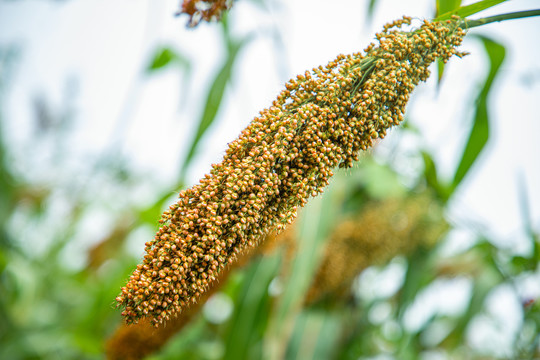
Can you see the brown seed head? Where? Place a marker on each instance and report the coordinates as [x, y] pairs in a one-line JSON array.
[[207, 10]]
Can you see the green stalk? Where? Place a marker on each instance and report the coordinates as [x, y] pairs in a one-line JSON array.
[[503, 17]]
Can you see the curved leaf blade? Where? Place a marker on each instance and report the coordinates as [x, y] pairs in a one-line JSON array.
[[469, 10], [480, 131], [446, 6], [164, 57], [212, 105]]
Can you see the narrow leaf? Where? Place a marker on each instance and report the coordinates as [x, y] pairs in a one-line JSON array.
[[446, 6], [419, 274], [248, 324], [484, 282], [371, 8], [440, 72], [432, 178], [313, 227], [528, 223], [480, 131], [315, 335], [165, 56], [213, 102], [469, 10], [328, 335]]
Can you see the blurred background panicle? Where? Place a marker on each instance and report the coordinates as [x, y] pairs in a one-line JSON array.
[[427, 248]]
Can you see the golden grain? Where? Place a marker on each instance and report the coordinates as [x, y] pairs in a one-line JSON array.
[[320, 121]]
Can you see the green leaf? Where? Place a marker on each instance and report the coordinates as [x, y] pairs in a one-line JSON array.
[[215, 94], [440, 72], [151, 214], [432, 178], [328, 335], [371, 8], [249, 321], [484, 282], [521, 264], [446, 6], [381, 182], [479, 134], [469, 10], [315, 335], [312, 229], [528, 223], [419, 274], [165, 56]]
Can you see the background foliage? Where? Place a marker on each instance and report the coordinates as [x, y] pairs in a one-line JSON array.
[[418, 300]]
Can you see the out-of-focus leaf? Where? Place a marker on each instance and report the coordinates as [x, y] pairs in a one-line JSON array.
[[419, 274], [313, 227], [151, 214], [486, 277], [314, 336], [186, 344], [244, 337], [164, 57], [432, 178], [522, 263], [371, 8], [469, 10], [534, 237], [479, 134], [215, 95], [355, 334], [408, 127], [297, 335], [409, 346], [440, 72], [328, 335], [381, 182], [9, 183]]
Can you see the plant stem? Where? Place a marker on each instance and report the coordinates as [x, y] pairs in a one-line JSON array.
[[509, 16]]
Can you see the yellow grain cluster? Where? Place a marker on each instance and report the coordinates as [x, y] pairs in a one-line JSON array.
[[287, 154]]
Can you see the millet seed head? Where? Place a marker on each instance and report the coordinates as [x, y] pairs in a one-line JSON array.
[[320, 121]]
